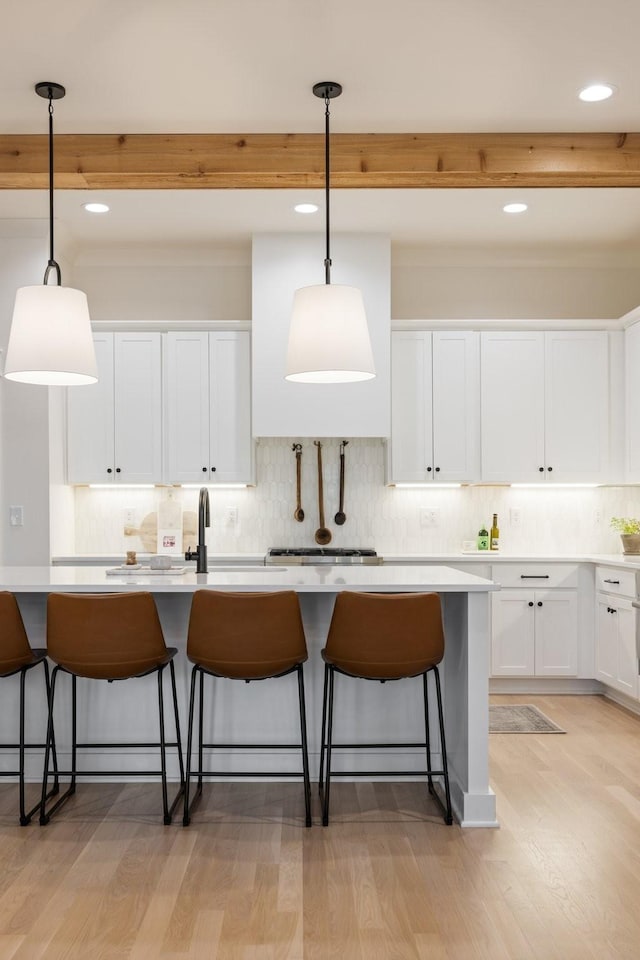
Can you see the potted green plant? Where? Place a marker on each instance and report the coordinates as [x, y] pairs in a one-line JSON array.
[[629, 530]]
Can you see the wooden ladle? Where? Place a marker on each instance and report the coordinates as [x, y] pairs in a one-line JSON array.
[[298, 513], [323, 536]]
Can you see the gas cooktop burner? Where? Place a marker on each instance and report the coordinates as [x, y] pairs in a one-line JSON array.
[[311, 555]]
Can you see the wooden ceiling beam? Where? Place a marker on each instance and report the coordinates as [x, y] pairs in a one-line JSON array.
[[294, 161]]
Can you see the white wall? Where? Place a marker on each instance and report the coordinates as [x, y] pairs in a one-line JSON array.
[[24, 426]]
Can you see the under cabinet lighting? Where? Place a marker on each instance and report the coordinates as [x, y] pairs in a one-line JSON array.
[[515, 207], [427, 486], [216, 486], [96, 207], [117, 486], [546, 486], [306, 208]]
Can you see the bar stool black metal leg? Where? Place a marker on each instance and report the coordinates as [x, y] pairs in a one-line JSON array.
[[426, 727], [305, 749], [200, 732], [24, 817], [324, 724], [443, 748], [327, 786], [54, 754], [45, 815], [163, 749], [176, 714], [186, 817], [74, 733]]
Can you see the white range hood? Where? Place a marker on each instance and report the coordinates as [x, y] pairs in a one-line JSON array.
[[281, 263]]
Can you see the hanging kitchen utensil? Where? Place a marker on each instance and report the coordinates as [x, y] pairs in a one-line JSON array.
[[298, 513], [341, 516], [323, 536]]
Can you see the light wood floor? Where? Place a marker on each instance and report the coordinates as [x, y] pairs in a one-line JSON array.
[[386, 881]]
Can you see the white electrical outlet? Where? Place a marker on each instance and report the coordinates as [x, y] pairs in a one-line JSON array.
[[231, 516], [597, 517], [16, 516], [430, 516], [515, 516]]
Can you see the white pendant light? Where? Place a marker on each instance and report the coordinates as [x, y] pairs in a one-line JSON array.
[[328, 336], [50, 342]]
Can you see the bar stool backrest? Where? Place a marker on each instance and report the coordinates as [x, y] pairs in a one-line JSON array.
[[106, 636], [15, 651], [385, 636], [246, 635]]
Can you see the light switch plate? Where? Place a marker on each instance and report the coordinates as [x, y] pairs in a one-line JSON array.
[[16, 516]]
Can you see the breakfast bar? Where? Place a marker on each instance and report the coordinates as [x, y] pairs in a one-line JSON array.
[[374, 711]]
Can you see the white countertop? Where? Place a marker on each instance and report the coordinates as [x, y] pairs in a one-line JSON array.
[[311, 579]]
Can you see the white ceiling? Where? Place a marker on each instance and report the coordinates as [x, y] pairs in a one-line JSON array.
[[244, 66]]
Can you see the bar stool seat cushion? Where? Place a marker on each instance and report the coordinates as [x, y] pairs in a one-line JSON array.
[[386, 636], [124, 640], [246, 636], [15, 650]]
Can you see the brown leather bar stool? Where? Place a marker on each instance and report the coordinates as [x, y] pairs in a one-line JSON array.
[[109, 636], [16, 656], [244, 636], [377, 636]]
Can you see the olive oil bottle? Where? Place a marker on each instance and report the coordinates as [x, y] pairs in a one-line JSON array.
[[494, 535]]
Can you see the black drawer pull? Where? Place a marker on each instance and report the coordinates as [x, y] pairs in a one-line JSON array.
[[534, 576], [613, 581]]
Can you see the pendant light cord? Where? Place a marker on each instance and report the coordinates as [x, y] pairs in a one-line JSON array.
[[327, 178], [51, 265]]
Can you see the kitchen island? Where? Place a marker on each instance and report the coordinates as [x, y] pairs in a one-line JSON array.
[[244, 711]]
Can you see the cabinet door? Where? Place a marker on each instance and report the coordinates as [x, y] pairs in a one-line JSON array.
[[627, 675], [138, 407], [512, 406], [411, 417], [187, 407], [577, 406], [231, 444], [513, 634], [556, 615], [456, 408], [90, 453], [606, 640]]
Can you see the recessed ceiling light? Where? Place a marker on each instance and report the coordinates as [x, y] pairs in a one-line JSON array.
[[96, 207], [596, 92], [515, 207], [306, 208]]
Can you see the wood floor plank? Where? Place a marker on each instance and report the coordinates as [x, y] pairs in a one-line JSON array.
[[387, 880]]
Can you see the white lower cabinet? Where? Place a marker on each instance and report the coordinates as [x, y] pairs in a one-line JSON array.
[[534, 632], [616, 652]]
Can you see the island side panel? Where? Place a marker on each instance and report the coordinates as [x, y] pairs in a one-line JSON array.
[[466, 675]]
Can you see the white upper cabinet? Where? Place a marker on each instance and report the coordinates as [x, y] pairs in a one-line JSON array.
[[115, 426], [208, 407], [434, 407], [545, 407]]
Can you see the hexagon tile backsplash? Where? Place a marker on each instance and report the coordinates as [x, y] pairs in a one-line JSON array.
[[389, 519]]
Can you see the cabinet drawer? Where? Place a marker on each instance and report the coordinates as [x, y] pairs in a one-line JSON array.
[[535, 575], [622, 583]]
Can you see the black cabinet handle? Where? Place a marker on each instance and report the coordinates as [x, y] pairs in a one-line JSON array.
[[428, 469], [539, 603], [530, 603], [437, 469], [541, 469], [612, 610], [109, 470], [613, 581], [549, 469], [204, 470], [534, 576], [213, 469], [118, 470]]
